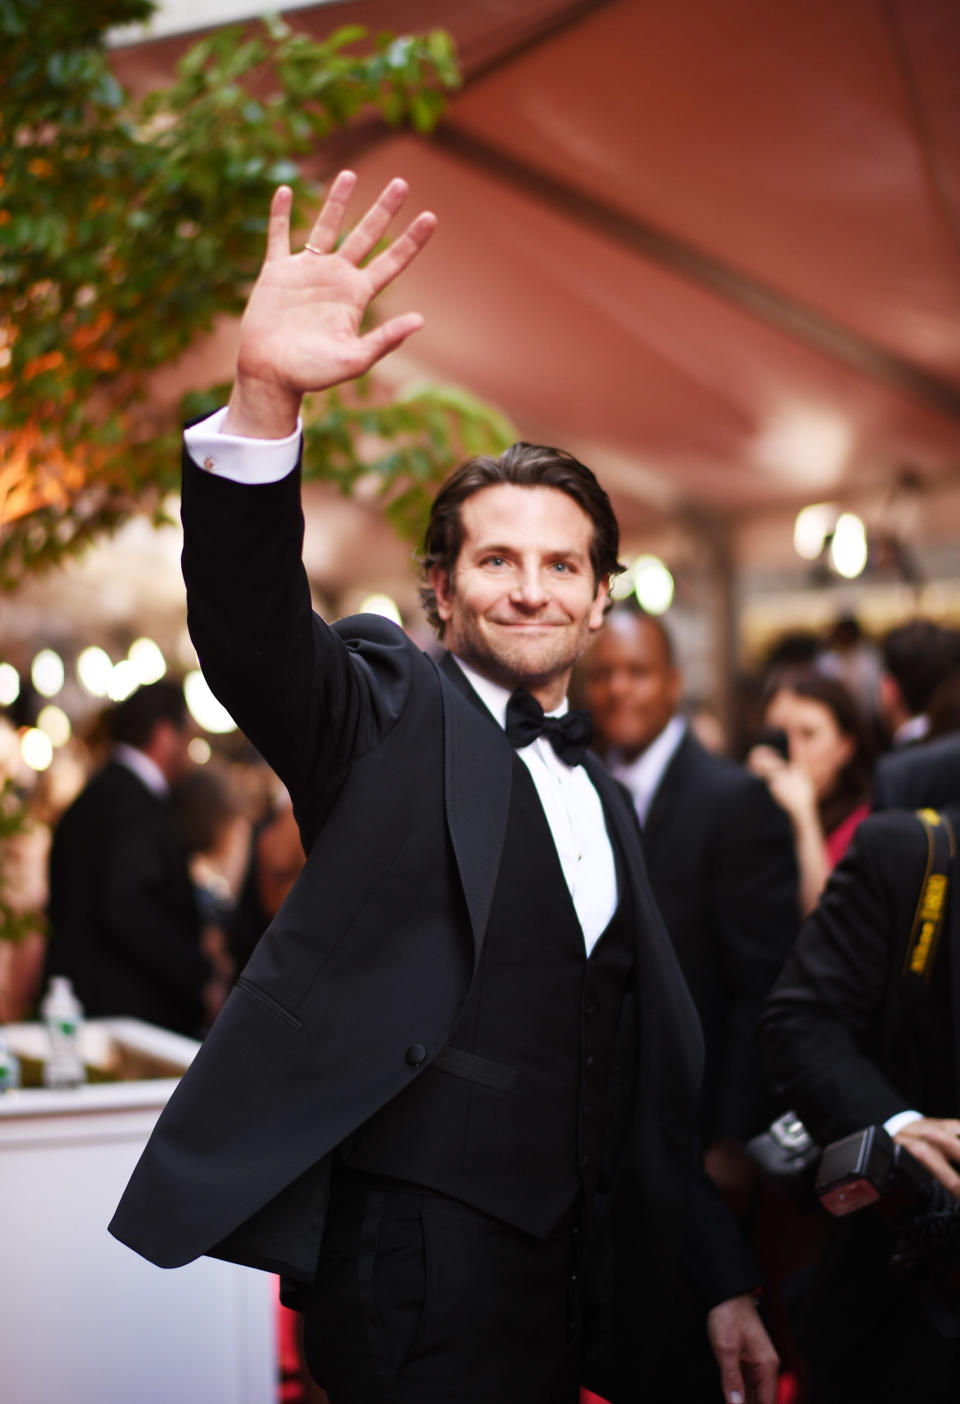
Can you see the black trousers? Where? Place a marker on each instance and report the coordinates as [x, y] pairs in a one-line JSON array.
[[420, 1299]]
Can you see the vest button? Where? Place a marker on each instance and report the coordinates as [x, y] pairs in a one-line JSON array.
[[590, 1010], [590, 1060], [416, 1054]]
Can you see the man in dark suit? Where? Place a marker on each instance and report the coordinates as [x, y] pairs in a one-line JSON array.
[[720, 857], [917, 657], [863, 1028], [463, 1048], [925, 774], [124, 925]]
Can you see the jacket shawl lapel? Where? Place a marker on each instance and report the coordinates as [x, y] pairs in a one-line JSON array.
[[478, 763]]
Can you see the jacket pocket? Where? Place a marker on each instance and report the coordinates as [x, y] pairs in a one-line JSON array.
[[483, 1071], [247, 987]]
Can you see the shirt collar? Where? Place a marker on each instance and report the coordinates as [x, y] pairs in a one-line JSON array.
[[643, 774], [914, 729], [143, 767], [493, 696]]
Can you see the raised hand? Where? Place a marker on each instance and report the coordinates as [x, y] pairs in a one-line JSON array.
[[301, 327]]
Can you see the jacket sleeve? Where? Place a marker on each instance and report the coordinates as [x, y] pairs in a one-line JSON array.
[[311, 698], [821, 1026], [716, 1260], [754, 902]]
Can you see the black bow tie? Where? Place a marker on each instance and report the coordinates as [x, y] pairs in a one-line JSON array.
[[569, 735]]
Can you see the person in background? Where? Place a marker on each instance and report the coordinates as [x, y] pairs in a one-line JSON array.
[[819, 771], [926, 774], [274, 859], [216, 834], [124, 924], [719, 854], [861, 1029], [854, 659], [917, 658], [720, 859]]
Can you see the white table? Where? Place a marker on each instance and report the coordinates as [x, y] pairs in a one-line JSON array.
[[82, 1318]]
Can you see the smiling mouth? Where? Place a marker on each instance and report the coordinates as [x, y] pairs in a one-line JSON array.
[[528, 624]]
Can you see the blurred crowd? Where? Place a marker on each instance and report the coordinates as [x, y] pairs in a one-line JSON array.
[[143, 876], [148, 879], [820, 721]]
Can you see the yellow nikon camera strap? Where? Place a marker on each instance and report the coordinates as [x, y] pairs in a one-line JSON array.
[[932, 906]]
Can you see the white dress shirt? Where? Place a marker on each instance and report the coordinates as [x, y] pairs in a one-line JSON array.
[[570, 803], [642, 776], [574, 813], [143, 768], [233, 456]]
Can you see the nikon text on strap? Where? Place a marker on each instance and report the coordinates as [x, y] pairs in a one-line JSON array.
[[932, 906]]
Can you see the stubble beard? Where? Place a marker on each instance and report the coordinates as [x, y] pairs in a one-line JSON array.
[[513, 663]]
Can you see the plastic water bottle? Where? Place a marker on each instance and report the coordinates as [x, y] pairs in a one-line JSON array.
[[63, 1016], [9, 1066]]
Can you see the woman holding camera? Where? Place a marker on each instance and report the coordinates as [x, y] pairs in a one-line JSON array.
[[816, 759]]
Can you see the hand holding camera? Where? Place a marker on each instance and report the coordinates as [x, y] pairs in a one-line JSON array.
[[935, 1142]]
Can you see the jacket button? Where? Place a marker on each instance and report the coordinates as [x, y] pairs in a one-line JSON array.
[[416, 1054]]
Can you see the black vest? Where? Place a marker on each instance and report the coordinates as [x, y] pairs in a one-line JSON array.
[[512, 1116]]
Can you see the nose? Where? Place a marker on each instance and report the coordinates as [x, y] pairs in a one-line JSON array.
[[528, 588]]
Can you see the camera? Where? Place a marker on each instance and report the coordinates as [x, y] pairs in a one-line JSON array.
[[870, 1168]]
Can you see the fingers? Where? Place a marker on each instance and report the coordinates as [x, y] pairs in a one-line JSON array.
[[327, 225], [762, 1379], [935, 1144], [384, 339], [386, 266], [278, 224], [362, 240], [765, 761], [732, 1382]]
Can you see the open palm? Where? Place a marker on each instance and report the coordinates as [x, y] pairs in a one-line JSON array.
[[301, 328]]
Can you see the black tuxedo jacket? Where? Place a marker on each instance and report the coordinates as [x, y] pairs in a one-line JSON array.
[[361, 978], [851, 1040], [721, 860], [914, 776], [124, 923]]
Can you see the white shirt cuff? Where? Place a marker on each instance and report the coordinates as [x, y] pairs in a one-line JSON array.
[[896, 1123], [240, 459]]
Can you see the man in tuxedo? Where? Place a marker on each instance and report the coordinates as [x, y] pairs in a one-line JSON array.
[[720, 857], [458, 1076], [863, 1028], [124, 925]]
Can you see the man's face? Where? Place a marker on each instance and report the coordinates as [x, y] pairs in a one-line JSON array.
[[169, 748], [632, 688], [522, 600]]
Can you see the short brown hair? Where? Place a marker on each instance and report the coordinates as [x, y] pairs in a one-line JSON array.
[[521, 465]]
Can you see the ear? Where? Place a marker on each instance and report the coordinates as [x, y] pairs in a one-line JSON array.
[[599, 603], [442, 589]]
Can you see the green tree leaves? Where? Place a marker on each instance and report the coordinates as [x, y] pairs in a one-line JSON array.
[[127, 227]]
